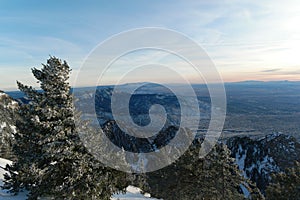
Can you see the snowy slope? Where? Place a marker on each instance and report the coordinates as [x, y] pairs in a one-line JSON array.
[[132, 193], [259, 158]]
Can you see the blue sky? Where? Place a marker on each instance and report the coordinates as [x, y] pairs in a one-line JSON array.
[[246, 40]]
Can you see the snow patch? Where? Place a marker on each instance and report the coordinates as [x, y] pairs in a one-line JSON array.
[[245, 191], [133, 193], [4, 194], [240, 159], [267, 164], [13, 128], [3, 163], [53, 163], [3, 125]]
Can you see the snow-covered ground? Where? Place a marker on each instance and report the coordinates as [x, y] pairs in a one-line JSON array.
[[3, 163], [133, 193], [3, 193]]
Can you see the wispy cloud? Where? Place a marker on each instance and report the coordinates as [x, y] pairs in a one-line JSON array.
[[245, 39], [270, 70]]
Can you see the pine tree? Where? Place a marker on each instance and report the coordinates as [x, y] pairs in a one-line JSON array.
[[285, 185], [214, 177], [8, 117], [52, 160]]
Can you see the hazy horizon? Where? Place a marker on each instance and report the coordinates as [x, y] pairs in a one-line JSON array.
[[106, 85]]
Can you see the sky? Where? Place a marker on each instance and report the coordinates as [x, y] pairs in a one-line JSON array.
[[245, 39]]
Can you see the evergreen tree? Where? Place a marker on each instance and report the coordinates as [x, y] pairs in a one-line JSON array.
[[51, 160], [285, 185], [8, 116], [214, 177]]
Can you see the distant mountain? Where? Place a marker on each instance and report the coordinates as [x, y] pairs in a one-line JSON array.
[[246, 82], [262, 107], [264, 82]]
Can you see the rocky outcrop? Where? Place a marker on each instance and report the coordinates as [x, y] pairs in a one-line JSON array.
[[259, 158]]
